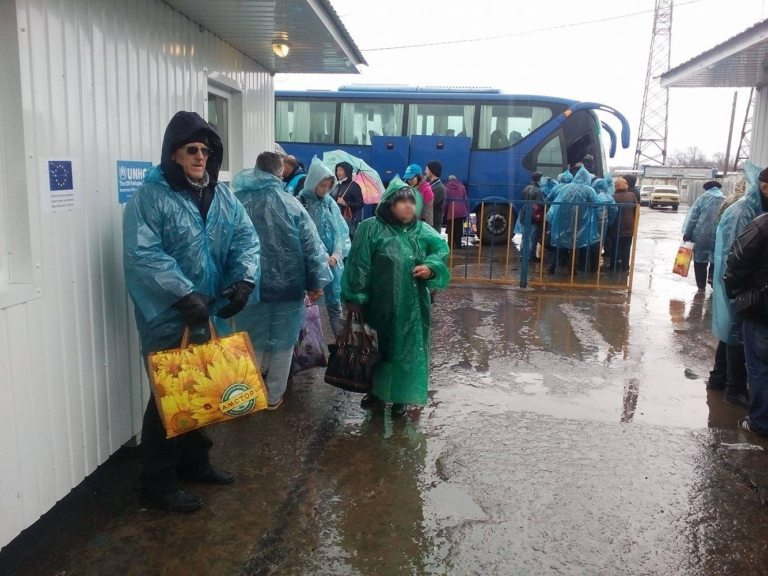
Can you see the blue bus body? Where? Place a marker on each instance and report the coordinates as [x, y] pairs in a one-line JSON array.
[[494, 165]]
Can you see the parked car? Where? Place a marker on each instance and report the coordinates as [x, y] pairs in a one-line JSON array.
[[645, 194], [664, 196]]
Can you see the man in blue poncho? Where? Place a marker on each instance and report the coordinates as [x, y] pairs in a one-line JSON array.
[[700, 227], [730, 372], [602, 219], [294, 262], [333, 231], [568, 218], [189, 250]]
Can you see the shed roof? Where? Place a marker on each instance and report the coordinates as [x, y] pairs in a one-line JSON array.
[[740, 61], [319, 41]]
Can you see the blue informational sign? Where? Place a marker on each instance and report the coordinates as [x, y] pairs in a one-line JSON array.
[[130, 176]]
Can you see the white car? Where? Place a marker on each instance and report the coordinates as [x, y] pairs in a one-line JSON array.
[[645, 195]]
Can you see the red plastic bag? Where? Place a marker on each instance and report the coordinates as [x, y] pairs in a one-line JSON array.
[[683, 259]]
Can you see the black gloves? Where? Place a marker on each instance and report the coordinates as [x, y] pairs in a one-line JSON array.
[[194, 308], [238, 294]]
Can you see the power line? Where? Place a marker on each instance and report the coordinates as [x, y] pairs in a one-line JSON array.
[[524, 33]]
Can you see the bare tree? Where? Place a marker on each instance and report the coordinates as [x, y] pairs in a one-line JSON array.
[[718, 160], [691, 156]]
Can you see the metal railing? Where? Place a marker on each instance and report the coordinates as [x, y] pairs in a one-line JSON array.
[[589, 248]]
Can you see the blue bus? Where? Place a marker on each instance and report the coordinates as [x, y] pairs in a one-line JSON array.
[[489, 140]]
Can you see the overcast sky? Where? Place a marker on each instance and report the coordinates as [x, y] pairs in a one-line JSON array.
[[603, 62]]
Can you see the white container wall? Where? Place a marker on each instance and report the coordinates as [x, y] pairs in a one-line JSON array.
[[758, 153], [99, 80]]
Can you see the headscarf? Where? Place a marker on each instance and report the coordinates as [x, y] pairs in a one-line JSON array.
[[620, 184], [347, 167]]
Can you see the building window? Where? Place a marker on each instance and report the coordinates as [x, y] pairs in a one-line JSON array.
[[503, 125], [360, 121], [306, 122], [441, 120], [218, 117]]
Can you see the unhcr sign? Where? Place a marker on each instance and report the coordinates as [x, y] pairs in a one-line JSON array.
[[130, 176]]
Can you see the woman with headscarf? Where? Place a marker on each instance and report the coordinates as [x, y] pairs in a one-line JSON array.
[[349, 196], [394, 263], [415, 179], [333, 232], [456, 210]]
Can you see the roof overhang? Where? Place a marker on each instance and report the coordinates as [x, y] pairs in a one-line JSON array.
[[319, 42], [741, 61]]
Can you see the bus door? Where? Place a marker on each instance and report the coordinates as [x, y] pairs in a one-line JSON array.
[[451, 151], [389, 156]]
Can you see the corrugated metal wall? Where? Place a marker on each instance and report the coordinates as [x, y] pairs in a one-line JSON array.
[[100, 79], [758, 153]]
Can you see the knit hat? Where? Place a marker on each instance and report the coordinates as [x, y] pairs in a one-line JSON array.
[[763, 177], [435, 167], [712, 184], [620, 184], [199, 136]]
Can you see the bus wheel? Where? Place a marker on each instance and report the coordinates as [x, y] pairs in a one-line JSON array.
[[496, 223]]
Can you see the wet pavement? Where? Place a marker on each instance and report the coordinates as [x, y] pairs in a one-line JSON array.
[[567, 433]]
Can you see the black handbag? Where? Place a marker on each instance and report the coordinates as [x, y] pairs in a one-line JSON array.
[[351, 363]]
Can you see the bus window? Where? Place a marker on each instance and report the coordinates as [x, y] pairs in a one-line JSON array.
[[549, 158], [504, 125], [306, 122], [360, 121], [441, 119], [582, 143]]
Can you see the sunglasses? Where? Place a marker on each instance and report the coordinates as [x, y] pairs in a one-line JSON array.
[[193, 150]]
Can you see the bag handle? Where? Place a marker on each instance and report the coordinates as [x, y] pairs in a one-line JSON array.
[[186, 335], [345, 334]]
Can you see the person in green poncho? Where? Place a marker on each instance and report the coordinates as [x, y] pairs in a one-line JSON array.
[[394, 263]]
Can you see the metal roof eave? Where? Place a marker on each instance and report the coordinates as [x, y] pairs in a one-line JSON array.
[[692, 72], [327, 13]]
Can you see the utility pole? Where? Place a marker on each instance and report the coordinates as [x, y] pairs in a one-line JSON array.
[[730, 135], [652, 134], [745, 143]]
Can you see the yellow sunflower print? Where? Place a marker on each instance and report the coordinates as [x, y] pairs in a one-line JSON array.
[[170, 362], [222, 375], [201, 357], [187, 380], [235, 347], [177, 413], [165, 383]]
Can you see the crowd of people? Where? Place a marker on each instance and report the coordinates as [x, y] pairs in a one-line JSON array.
[[585, 213], [282, 239]]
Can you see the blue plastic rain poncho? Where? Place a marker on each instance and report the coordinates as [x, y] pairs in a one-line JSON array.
[[293, 260], [604, 189], [700, 224], [170, 249], [562, 217], [379, 277], [726, 324], [331, 225], [548, 187], [169, 252]]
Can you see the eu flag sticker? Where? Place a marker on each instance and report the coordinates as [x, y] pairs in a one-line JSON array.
[[60, 175]]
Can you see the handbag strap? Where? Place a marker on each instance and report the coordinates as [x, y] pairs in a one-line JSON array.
[[345, 334], [186, 335]]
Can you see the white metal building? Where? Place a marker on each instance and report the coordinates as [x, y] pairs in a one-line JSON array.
[[741, 61], [86, 89]]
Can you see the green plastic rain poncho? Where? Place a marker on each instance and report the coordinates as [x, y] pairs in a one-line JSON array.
[[562, 218], [169, 252], [379, 277], [293, 260], [726, 324], [701, 224], [331, 226]]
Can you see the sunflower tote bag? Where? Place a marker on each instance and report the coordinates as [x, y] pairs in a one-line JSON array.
[[198, 385], [683, 259]]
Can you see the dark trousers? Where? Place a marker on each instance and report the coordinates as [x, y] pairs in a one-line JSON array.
[[621, 253], [756, 353], [455, 229], [534, 239], [730, 369], [704, 271], [163, 457]]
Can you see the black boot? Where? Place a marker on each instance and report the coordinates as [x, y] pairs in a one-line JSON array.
[[399, 410], [179, 501], [368, 401], [740, 398], [210, 475]]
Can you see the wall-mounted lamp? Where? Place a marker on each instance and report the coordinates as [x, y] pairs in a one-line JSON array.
[[281, 48]]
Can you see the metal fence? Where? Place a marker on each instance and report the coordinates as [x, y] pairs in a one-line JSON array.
[[590, 248]]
